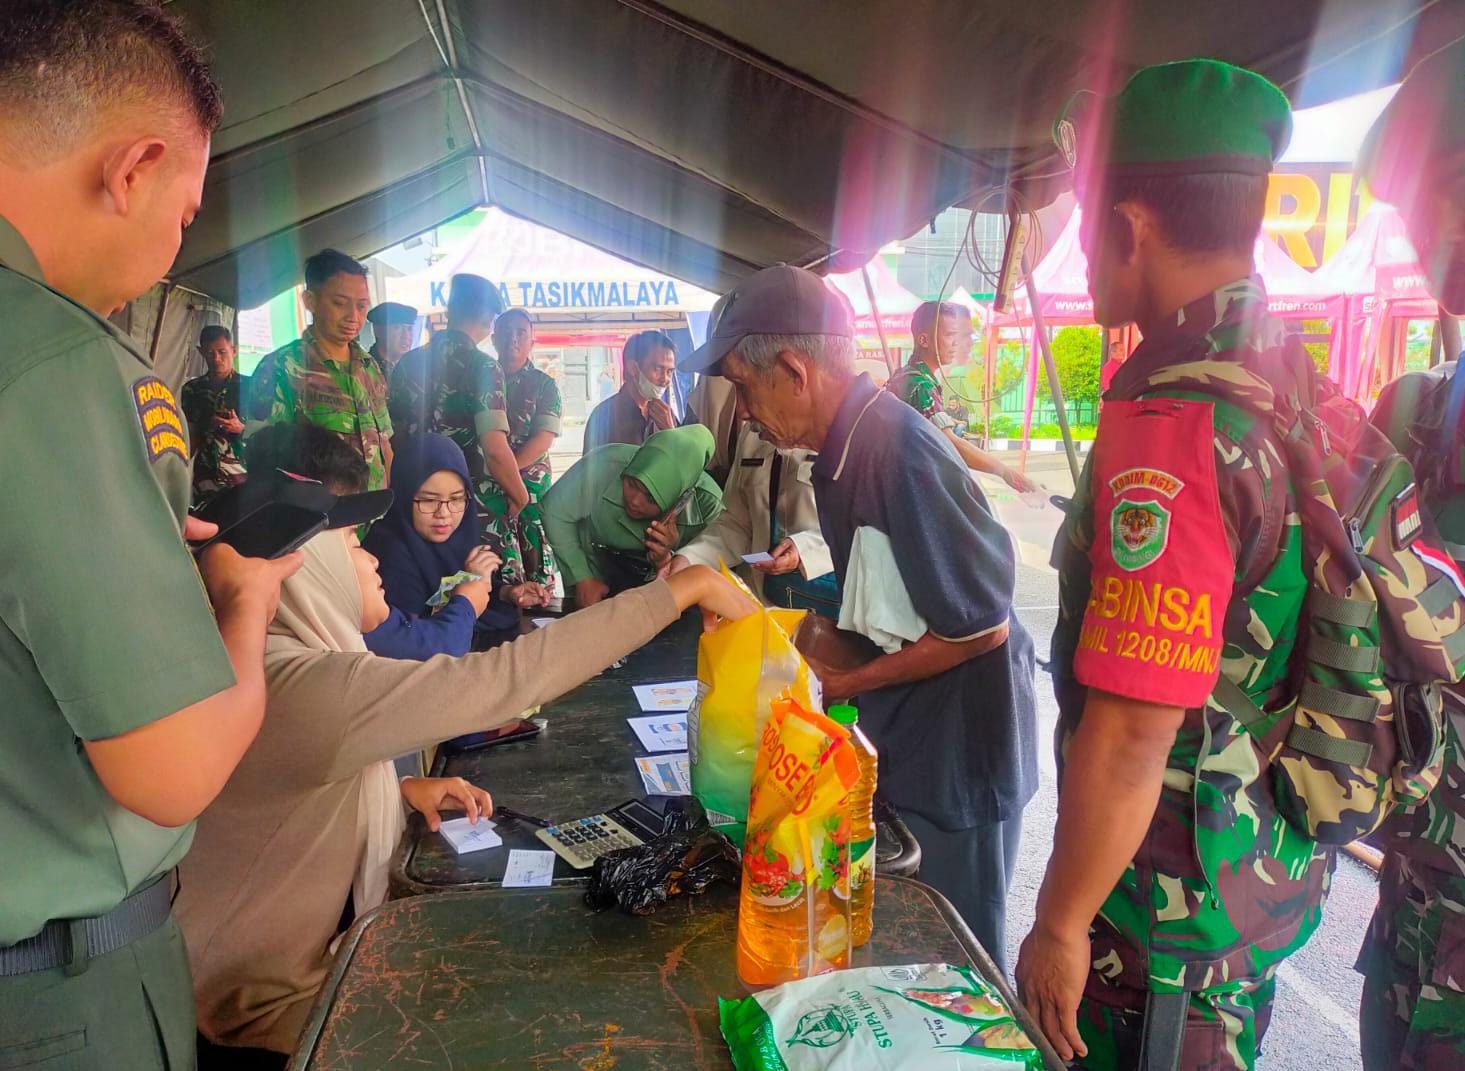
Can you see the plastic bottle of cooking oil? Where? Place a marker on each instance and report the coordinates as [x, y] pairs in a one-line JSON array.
[[860, 806]]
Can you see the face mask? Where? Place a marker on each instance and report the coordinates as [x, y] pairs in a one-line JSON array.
[[647, 389]]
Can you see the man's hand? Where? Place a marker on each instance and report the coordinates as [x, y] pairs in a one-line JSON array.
[[518, 499], [677, 564], [429, 795], [662, 539], [661, 414], [197, 531], [484, 561], [785, 559], [234, 581], [590, 591], [1018, 481], [1051, 971], [477, 592], [833, 682], [528, 595], [230, 423]]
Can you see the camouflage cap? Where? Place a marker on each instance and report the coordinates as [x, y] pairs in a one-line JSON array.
[[1419, 139], [1194, 117]]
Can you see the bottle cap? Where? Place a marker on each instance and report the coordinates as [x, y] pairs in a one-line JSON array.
[[844, 713]]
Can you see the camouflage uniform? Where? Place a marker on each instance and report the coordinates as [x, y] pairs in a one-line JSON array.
[[349, 399], [1222, 888], [533, 406], [920, 388], [451, 387], [217, 460]]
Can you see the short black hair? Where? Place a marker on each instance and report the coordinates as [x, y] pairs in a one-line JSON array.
[[926, 314], [310, 451], [64, 62], [328, 263], [1211, 213], [212, 333], [643, 344], [523, 314]]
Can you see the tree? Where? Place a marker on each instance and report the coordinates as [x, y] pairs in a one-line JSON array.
[[1077, 352]]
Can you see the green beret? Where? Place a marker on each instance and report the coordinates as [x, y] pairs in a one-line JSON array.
[[389, 313], [1194, 117], [1419, 139]]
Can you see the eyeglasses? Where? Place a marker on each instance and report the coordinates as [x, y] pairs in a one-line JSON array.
[[429, 506]]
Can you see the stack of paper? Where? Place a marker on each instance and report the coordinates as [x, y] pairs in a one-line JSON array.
[[466, 837]]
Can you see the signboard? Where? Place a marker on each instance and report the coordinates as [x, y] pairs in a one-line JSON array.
[[1313, 208], [571, 294]]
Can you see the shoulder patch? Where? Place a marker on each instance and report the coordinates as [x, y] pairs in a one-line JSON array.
[[1405, 518], [157, 412]]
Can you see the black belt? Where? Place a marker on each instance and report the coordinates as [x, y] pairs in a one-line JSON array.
[[70, 943]]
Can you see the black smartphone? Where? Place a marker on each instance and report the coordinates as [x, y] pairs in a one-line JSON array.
[[676, 507], [273, 531], [509, 734]]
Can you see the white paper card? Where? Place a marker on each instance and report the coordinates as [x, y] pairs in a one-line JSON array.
[[541, 622], [528, 869], [759, 558], [668, 695], [665, 733], [465, 837], [665, 775]]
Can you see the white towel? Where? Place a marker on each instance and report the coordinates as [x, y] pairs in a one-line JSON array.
[[875, 603]]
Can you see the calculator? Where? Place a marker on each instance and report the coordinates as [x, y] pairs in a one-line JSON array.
[[585, 840], [582, 841]]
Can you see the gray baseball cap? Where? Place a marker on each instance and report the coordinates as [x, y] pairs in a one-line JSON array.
[[782, 300]]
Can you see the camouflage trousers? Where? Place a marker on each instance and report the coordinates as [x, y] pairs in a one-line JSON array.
[[525, 548], [1412, 1016]]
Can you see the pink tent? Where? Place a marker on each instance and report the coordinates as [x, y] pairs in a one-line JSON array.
[[1379, 273], [895, 302]]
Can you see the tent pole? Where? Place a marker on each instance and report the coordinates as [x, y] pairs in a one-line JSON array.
[[1040, 335], [875, 308], [989, 357]]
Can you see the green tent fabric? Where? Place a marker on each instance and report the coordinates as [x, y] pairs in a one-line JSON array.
[[700, 138]]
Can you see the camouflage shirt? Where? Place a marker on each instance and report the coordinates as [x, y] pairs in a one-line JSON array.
[[452, 388], [217, 458], [533, 406], [918, 386], [349, 399], [1222, 887]]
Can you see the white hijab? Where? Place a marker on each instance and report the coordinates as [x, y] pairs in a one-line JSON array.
[[320, 610]]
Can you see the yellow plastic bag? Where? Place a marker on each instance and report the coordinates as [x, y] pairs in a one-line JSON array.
[[794, 900], [742, 666]]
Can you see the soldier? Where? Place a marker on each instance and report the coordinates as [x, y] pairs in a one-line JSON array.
[[453, 388], [324, 377], [942, 331], [127, 702], [211, 405], [394, 325], [533, 407], [1412, 1016], [1175, 888]]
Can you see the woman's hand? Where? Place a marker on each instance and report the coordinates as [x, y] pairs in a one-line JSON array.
[[662, 538], [785, 559], [429, 795], [477, 592], [697, 585], [590, 591], [484, 561]]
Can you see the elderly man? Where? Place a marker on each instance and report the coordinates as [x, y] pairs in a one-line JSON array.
[[950, 704], [395, 328], [1412, 1015]]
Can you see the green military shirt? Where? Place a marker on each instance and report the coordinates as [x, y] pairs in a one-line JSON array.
[[917, 386], [451, 387], [1223, 887], [349, 399], [104, 625]]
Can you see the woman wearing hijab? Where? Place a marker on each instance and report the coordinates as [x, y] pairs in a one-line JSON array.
[[313, 813], [621, 511], [426, 537]]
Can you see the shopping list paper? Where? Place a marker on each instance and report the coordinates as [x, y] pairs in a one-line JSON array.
[[665, 733], [528, 869], [665, 775], [466, 837], [668, 695], [759, 558]]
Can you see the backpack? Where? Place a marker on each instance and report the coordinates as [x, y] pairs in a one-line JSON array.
[[1359, 729]]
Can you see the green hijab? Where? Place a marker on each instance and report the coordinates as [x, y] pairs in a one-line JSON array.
[[667, 464]]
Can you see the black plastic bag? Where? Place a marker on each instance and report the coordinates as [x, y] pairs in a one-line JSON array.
[[688, 857]]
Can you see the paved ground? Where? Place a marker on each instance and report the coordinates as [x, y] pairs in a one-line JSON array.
[[1315, 1025]]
